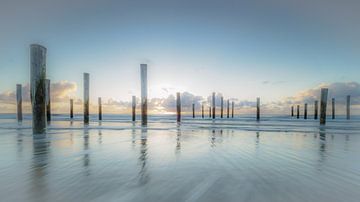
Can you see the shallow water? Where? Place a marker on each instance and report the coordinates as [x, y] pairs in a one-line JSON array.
[[276, 159]]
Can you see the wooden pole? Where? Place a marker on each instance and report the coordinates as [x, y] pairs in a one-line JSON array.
[[316, 108], [202, 111], [228, 109], [213, 105], [305, 111], [178, 108], [37, 86], [48, 100], [292, 111], [193, 107], [232, 109], [323, 103], [86, 97], [348, 107], [298, 111], [133, 108], [100, 109], [222, 108], [143, 68], [333, 108], [19, 102], [258, 108], [71, 108], [209, 112]]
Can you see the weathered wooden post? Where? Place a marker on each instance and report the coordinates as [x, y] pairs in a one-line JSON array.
[[213, 105], [37, 86], [202, 111], [333, 108], [86, 97], [305, 111], [232, 109], [71, 108], [100, 109], [258, 108], [193, 110], [323, 103], [228, 109], [19, 102], [48, 100], [143, 68], [178, 108], [222, 107], [348, 107], [209, 112], [316, 108], [292, 111], [298, 111], [133, 108]]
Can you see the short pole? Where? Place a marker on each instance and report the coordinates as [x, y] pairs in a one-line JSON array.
[[209, 112], [133, 108], [316, 108], [143, 69], [37, 86], [323, 103], [222, 107], [232, 109], [178, 108], [19, 102], [348, 107], [86, 97], [193, 110], [305, 111], [258, 108], [228, 109], [71, 108], [333, 108], [292, 111], [100, 109], [298, 111], [48, 100], [213, 105], [202, 111]]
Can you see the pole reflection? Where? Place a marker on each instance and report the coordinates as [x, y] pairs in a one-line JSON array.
[[322, 148], [143, 174], [86, 157], [40, 161], [178, 141]]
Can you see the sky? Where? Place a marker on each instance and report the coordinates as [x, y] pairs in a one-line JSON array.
[[279, 50]]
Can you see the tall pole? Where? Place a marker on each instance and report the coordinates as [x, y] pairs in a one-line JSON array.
[[133, 108], [228, 109], [48, 100], [258, 108], [298, 111], [333, 108], [37, 86], [143, 69], [316, 108], [71, 108], [222, 107], [348, 107], [292, 111], [213, 105], [19, 102], [323, 103], [305, 111], [86, 97], [193, 110], [232, 109], [178, 108], [100, 108]]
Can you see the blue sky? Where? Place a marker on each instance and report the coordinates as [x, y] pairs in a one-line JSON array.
[[243, 49]]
